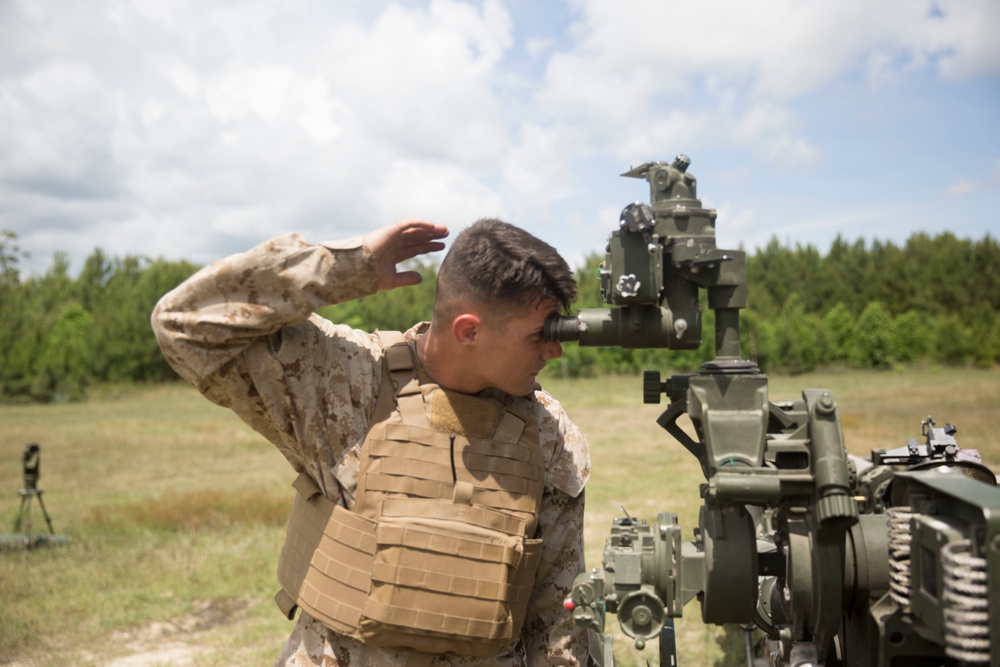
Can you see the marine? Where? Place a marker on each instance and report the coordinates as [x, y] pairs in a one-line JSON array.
[[244, 332]]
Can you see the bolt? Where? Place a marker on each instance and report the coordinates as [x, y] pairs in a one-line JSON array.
[[642, 615], [826, 404]]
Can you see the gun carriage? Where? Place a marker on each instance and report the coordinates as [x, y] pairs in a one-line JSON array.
[[883, 561]]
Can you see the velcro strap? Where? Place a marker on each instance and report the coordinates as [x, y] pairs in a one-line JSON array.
[[411, 404], [510, 428], [513, 489], [436, 451], [463, 493], [414, 469], [420, 434], [473, 515], [286, 603], [306, 486], [399, 358], [449, 617], [460, 546], [420, 576]]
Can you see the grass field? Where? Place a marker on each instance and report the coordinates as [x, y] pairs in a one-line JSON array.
[[176, 510]]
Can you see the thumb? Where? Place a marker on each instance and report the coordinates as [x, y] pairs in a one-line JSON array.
[[407, 279]]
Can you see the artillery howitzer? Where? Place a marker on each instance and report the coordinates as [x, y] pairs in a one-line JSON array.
[[881, 562]]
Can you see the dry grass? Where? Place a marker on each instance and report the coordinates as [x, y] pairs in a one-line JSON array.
[[175, 507], [170, 502], [198, 510]]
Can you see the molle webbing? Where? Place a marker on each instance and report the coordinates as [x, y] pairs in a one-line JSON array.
[[435, 555], [327, 560]]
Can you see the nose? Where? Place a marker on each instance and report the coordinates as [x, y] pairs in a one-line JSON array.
[[551, 350]]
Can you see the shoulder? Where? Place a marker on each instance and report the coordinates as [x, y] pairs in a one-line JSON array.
[[321, 340], [330, 366], [564, 447]]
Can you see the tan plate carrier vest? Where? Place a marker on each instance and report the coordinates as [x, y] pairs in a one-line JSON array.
[[436, 555]]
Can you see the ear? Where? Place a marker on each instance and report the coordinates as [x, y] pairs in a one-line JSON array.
[[466, 329]]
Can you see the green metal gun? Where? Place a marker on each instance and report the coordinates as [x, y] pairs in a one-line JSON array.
[[880, 562]]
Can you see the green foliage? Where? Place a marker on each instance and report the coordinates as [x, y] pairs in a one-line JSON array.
[[911, 335], [840, 324], [799, 337], [59, 334], [873, 337], [10, 254], [953, 341], [588, 283], [934, 299], [576, 362], [62, 368]]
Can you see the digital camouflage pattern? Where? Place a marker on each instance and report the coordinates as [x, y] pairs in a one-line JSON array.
[[243, 331]]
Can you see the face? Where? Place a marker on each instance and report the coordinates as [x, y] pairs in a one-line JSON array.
[[513, 353]]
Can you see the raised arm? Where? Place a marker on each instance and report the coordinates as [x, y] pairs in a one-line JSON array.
[[242, 331]]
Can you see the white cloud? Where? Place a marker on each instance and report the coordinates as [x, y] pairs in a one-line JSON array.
[[218, 121], [644, 69], [967, 186], [540, 165], [963, 187], [260, 91], [434, 191], [963, 38], [188, 129], [421, 79], [769, 131]]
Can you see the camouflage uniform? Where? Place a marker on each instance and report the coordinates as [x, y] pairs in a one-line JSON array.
[[243, 332]]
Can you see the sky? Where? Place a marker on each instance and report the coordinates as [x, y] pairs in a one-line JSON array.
[[193, 129]]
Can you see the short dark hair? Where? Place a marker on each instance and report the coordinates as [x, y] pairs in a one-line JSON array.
[[502, 269]]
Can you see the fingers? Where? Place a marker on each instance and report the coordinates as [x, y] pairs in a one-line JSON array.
[[402, 241], [406, 239], [407, 279], [420, 237]]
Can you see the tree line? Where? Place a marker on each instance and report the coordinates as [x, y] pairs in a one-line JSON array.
[[934, 299], [59, 333]]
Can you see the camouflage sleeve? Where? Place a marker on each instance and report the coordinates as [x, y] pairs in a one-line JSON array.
[[242, 331], [550, 636]]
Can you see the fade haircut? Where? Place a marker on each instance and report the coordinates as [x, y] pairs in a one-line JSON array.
[[502, 271]]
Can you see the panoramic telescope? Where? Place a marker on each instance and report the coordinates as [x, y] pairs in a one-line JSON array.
[[887, 561]]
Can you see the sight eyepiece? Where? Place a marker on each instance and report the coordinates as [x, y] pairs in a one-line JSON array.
[[561, 328]]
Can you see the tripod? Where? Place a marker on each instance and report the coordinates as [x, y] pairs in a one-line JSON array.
[[32, 460]]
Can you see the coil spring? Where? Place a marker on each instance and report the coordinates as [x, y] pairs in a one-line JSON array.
[[966, 613], [900, 536]]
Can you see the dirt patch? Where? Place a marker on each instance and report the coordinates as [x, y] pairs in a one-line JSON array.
[[173, 642], [175, 655]]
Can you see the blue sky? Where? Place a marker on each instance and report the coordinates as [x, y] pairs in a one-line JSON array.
[[192, 130]]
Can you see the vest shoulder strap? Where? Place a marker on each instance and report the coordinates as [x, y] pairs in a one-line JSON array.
[[399, 370], [397, 352]]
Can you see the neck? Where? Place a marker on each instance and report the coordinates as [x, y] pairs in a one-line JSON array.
[[445, 364]]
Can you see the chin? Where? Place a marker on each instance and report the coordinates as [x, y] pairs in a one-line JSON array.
[[526, 390]]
